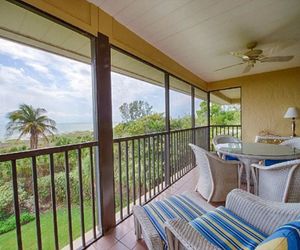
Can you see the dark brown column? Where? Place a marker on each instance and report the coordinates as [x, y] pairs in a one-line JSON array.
[[208, 120], [167, 143], [103, 131], [193, 113]]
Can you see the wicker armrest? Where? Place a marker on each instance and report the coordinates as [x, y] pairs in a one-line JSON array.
[[262, 214], [180, 233], [150, 234]]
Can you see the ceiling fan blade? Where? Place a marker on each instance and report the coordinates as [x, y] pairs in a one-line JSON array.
[[277, 59], [247, 69], [227, 67]]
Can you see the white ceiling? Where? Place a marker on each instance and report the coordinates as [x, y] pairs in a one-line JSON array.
[[199, 34]]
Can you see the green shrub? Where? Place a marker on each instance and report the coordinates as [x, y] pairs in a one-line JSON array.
[[6, 199], [44, 186], [44, 190], [10, 223]]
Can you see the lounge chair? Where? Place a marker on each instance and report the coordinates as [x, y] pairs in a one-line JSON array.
[[257, 214], [264, 216], [151, 228]]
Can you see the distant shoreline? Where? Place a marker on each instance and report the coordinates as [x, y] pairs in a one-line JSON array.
[[63, 128], [8, 142]]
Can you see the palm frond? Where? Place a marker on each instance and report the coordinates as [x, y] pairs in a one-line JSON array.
[[40, 111]]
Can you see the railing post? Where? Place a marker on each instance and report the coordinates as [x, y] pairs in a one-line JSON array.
[[193, 114], [167, 142], [208, 121], [16, 203], [103, 132]]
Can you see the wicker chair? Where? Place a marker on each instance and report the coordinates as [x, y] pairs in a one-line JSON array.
[[263, 215], [219, 139], [279, 182], [224, 139], [217, 177], [293, 143]]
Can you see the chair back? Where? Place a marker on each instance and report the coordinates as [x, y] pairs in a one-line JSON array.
[[219, 139], [293, 188], [293, 143], [204, 185], [225, 139], [280, 182]]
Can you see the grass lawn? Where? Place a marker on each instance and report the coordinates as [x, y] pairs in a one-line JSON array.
[[8, 240]]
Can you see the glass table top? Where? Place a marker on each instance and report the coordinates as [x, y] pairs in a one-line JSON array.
[[259, 149]]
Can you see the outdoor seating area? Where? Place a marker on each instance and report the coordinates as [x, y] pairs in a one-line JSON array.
[[150, 124]]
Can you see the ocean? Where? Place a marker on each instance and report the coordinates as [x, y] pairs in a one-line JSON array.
[[61, 127]]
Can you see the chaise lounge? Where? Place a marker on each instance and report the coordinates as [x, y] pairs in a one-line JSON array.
[[263, 217]]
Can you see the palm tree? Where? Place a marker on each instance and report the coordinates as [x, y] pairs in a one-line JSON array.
[[28, 120]]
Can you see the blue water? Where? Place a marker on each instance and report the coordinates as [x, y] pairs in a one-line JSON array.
[[61, 127]]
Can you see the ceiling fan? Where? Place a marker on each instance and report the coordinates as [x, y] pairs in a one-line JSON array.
[[252, 55]]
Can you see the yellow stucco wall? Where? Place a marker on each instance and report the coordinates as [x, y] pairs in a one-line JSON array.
[[265, 99], [91, 19]]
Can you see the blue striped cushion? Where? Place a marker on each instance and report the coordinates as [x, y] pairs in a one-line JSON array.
[[227, 231], [176, 206], [286, 237]]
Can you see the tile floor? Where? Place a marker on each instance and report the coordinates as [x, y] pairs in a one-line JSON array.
[[123, 237]]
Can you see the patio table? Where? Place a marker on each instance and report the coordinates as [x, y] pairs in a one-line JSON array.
[[249, 153]]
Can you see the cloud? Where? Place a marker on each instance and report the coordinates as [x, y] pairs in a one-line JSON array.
[[61, 85], [125, 89], [180, 104], [39, 68]]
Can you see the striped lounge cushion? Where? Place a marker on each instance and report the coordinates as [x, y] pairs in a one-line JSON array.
[[286, 237], [173, 207], [227, 231]]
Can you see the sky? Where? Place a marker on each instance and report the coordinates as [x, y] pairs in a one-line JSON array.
[[64, 86]]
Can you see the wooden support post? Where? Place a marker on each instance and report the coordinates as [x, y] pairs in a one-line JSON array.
[[104, 132]]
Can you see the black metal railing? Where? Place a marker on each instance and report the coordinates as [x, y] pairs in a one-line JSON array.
[[71, 186], [146, 165], [232, 130]]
